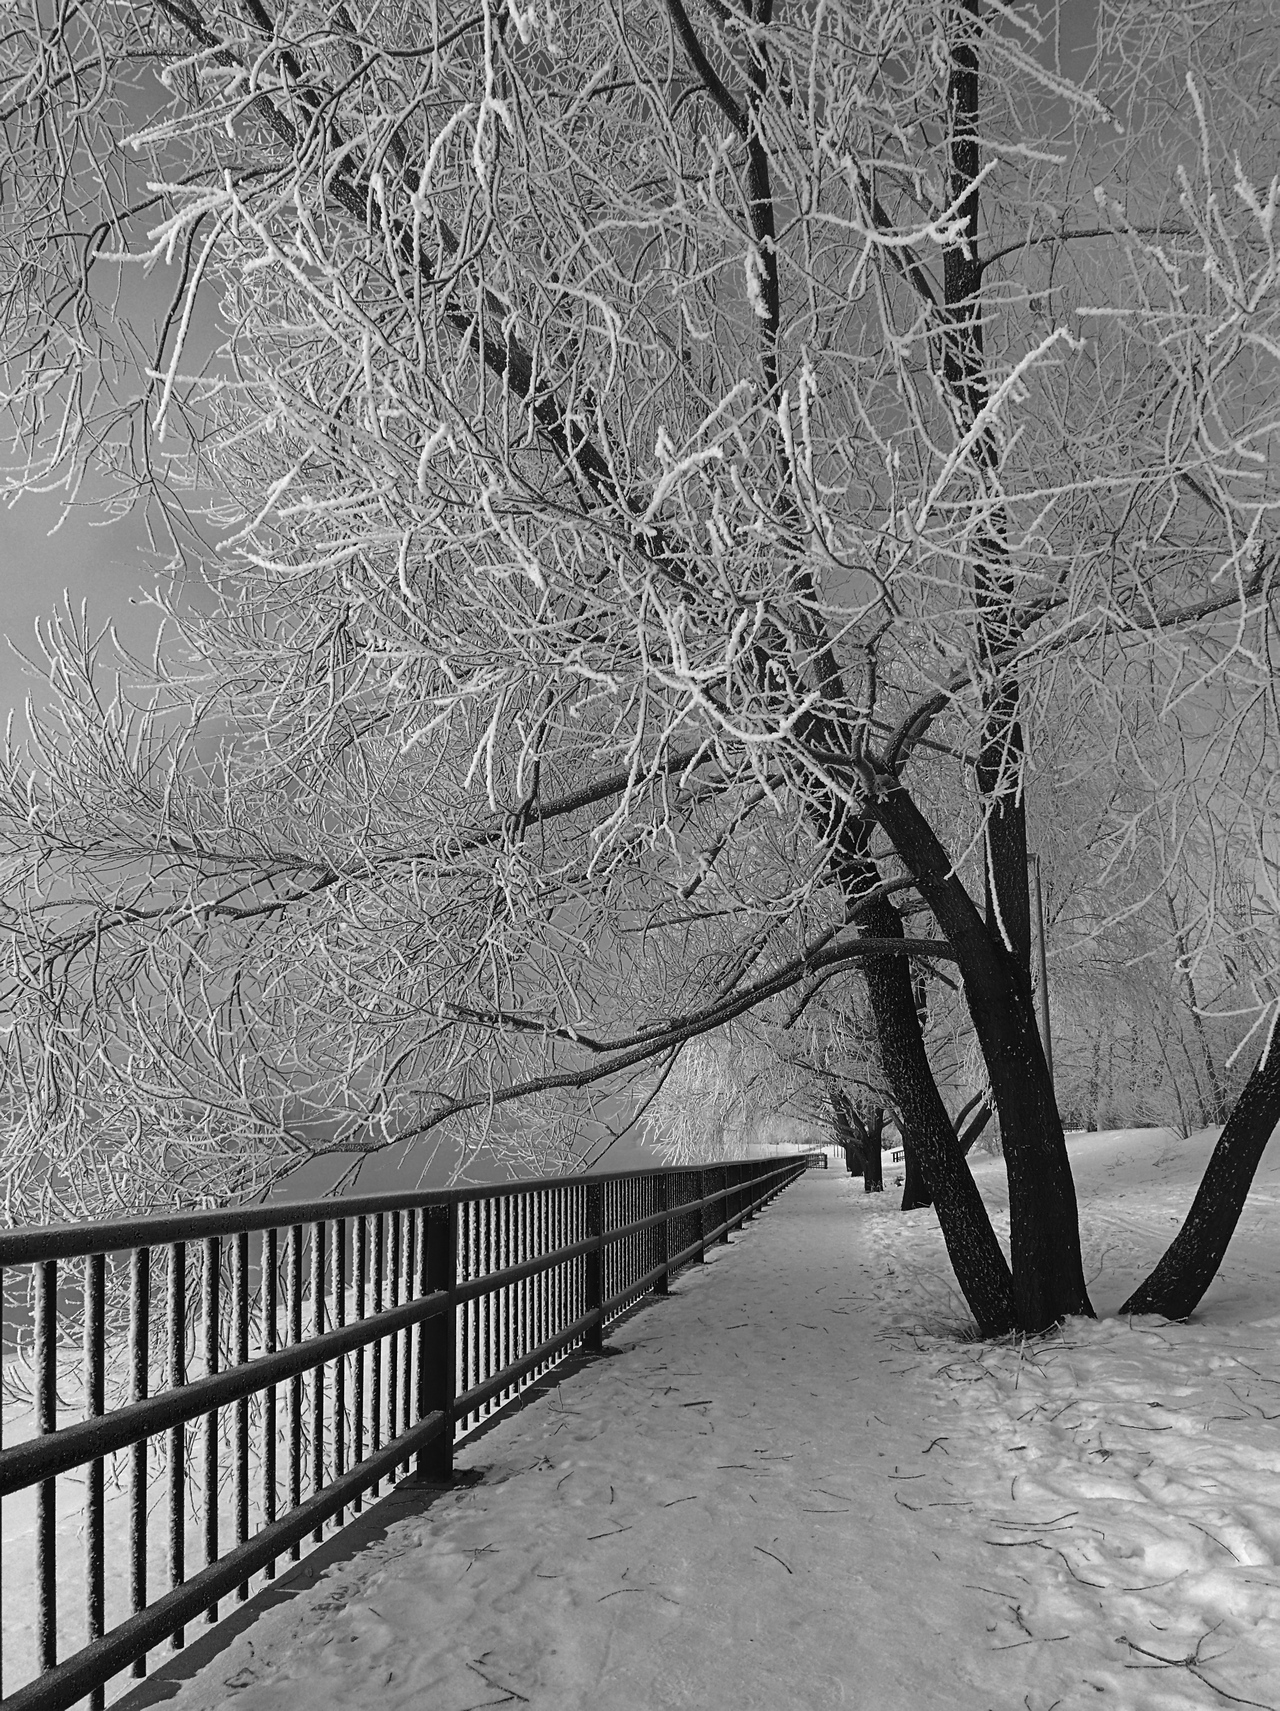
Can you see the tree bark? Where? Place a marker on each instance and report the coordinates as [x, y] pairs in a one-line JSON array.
[[1048, 1274], [976, 1256], [915, 1186], [1191, 1261], [845, 1126], [979, 1122], [872, 1155]]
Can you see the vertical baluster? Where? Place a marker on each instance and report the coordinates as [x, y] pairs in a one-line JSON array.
[[498, 1300], [515, 1291], [512, 1292], [295, 1383], [481, 1303], [317, 1377], [609, 1257], [438, 1357], [576, 1211], [177, 1338], [139, 1373], [491, 1305], [210, 1310], [503, 1302], [557, 1241], [406, 1337], [544, 1277], [46, 1329], [270, 1280], [662, 1231], [95, 1269], [375, 1362], [360, 1267], [520, 1337], [549, 1277], [471, 1254], [490, 1302], [240, 1313], [393, 1342], [608, 1260], [340, 1365], [464, 1308], [536, 1247], [522, 1347], [595, 1262], [2, 1439], [469, 1311], [421, 1382]]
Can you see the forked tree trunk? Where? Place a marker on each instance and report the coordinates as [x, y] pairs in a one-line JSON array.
[[1048, 1275], [1191, 1261], [976, 1256]]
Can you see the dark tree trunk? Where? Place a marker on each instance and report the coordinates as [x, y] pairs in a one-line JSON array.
[[976, 1257], [1192, 1259], [980, 1120], [915, 1187], [1048, 1275], [872, 1159], [844, 1122], [1095, 1076]]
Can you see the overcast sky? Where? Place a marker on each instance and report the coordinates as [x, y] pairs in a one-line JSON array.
[[102, 566]]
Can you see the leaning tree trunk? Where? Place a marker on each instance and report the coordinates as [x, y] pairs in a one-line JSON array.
[[968, 1136], [1048, 1274], [976, 1257], [1191, 1261]]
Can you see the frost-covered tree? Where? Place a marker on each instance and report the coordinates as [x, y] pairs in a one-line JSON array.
[[660, 458]]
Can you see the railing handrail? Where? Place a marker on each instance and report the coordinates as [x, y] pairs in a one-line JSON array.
[[482, 1299], [28, 1244]]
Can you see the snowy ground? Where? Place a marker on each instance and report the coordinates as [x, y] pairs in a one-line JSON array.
[[792, 1484]]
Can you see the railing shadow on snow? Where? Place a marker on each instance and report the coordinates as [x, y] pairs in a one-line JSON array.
[[409, 1320]]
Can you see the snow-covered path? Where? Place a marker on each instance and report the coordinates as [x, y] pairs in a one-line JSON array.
[[791, 1484]]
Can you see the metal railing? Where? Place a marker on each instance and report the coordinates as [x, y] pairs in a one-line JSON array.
[[407, 1321]]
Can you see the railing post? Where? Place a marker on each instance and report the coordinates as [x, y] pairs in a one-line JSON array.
[[723, 1218], [94, 1364], [662, 1231], [748, 1192], [595, 1263], [46, 1375], [700, 1182], [437, 1347]]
